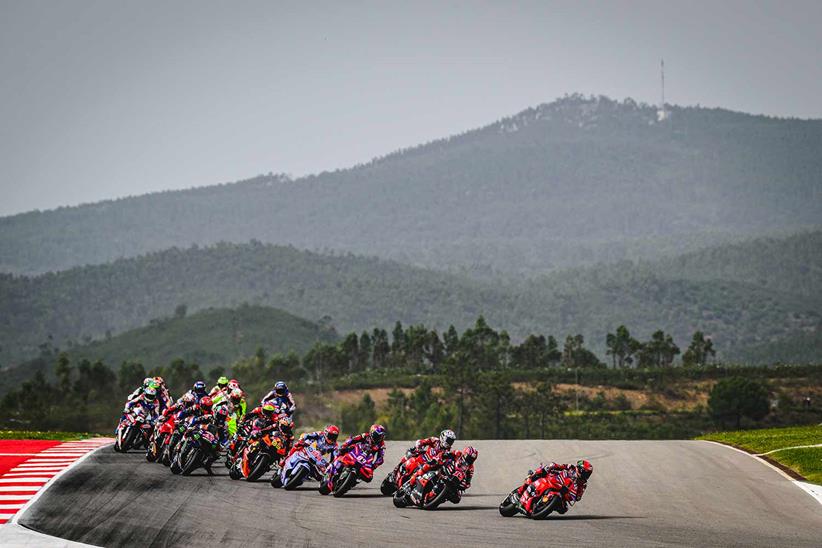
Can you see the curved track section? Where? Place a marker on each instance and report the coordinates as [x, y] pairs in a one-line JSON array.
[[642, 493]]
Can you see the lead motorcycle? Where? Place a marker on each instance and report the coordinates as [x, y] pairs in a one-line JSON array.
[[198, 447], [433, 488], [307, 463], [553, 493], [356, 467]]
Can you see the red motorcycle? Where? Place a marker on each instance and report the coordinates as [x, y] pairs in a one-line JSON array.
[[159, 440], [553, 493], [434, 487], [356, 467], [403, 472]]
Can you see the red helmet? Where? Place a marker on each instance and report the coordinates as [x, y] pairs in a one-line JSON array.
[[584, 469], [331, 433], [221, 411], [236, 396], [206, 403], [469, 455]]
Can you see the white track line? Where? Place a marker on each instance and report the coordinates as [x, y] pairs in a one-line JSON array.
[[16, 518], [10, 488], [15, 497], [786, 448], [813, 490]]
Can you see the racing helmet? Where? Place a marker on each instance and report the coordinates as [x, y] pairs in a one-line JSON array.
[[331, 433], [286, 425], [159, 380], [447, 438], [376, 433], [199, 387], [236, 396], [150, 393], [222, 382], [469, 455], [584, 469], [280, 388], [269, 408], [147, 380], [206, 403]]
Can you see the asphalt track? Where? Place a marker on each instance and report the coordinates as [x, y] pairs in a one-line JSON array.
[[642, 493]]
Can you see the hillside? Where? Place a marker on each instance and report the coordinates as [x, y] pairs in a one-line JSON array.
[[564, 184], [211, 337], [361, 293]]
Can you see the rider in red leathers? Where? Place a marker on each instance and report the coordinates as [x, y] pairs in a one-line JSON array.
[[580, 472], [427, 454], [465, 462]]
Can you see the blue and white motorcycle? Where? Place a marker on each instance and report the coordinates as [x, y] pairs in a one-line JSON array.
[[306, 463]]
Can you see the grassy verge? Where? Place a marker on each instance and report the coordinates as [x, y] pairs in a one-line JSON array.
[[35, 435], [805, 461]]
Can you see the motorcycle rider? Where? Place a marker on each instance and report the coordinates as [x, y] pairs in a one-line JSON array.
[[163, 395], [426, 453], [148, 401], [220, 388], [374, 444], [198, 390], [148, 381], [267, 414], [189, 407], [282, 398], [325, 441], [579, 472], [465, 461]]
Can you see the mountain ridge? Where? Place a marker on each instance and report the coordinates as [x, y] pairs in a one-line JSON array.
[[579, 180]]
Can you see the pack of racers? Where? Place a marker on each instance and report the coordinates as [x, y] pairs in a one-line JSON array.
[[227, 401]]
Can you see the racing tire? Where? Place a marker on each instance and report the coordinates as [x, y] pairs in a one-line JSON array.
[[234, 473], [438, 499], [507, 508], [262, 466], [190, 461], [295, 480], [276, 482], [546, 508], [387, 486], [399, 499], [344, 483]]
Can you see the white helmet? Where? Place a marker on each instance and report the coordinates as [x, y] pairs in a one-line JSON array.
[[447, 438]]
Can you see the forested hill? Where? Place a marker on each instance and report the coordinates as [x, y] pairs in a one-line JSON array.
[[564, 184], [361, 293], [209, 338]]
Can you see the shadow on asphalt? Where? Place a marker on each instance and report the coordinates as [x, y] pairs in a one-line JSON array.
[[364, 496], [452, 508], [574, 517]]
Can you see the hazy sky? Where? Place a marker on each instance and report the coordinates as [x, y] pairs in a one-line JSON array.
[[107, 99]]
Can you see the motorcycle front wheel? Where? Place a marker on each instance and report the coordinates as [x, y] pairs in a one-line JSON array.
[[295, 480], [261, 466], [507, 508], [542, 509], [438, 499], [346, 481]]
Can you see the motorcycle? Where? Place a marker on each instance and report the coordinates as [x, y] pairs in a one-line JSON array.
[[356, 467], [134, 430], [159, 440], [555, 492], [197, 448], [259, 454], [304, 464], [433, 488], [398, 477]]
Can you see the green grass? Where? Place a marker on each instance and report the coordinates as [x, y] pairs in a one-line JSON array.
[[806, 461], [37, 435]]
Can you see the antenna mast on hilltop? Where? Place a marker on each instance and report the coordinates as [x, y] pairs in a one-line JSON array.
[[662, 112]]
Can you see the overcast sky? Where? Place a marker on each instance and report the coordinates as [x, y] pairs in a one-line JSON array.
[[108, 99]]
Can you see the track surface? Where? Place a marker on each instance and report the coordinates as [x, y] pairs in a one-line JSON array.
[[642, 493]]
